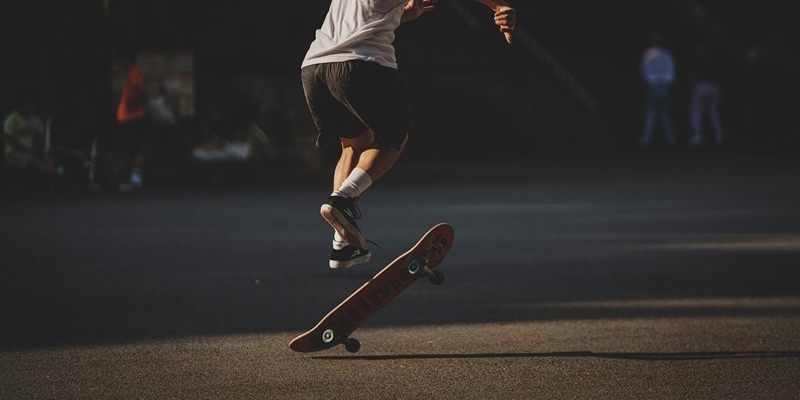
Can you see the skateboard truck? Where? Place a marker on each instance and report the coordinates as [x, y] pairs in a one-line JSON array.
[[350, 344], [419, 266]]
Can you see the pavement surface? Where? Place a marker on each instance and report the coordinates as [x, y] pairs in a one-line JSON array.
[[638, 278]]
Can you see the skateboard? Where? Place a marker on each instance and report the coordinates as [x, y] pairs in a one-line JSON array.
[[420, 260]]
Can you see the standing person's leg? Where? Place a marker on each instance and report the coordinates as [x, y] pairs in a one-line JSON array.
[[696, 113], [666, 118], [125, 149], [142, 143], [131, 139], [716, 121], [648, 120]]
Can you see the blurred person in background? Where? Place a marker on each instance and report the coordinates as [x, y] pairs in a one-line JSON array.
[[359, 100], [705, 97], [162, 108], [131, 120], [24, 135], [658, 73]]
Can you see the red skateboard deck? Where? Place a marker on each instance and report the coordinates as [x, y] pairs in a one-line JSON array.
[[335, 328]]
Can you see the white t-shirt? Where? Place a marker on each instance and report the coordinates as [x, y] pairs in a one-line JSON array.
[[357, 30]]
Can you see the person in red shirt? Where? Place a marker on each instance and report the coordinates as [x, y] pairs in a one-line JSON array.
[[132, 119]]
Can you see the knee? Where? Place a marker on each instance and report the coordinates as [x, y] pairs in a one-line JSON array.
[[369, 141], [359, 143]]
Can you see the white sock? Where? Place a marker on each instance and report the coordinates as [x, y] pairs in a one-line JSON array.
[[356, 183], [338, 241]]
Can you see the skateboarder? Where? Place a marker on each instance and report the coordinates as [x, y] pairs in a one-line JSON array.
[[355, 94]]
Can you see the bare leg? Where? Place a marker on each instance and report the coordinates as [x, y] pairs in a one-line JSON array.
[[365, 152], [364, 160], [347, 162]]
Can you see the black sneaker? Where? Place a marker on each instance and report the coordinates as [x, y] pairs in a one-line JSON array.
[[342, 213], [348, 257]]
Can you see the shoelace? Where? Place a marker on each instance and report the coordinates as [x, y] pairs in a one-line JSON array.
[[354, 212]]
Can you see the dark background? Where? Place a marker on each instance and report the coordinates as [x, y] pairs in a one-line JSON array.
[[627, 276], [568, 86]]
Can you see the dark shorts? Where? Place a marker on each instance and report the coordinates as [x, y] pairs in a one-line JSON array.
[[348, 98]]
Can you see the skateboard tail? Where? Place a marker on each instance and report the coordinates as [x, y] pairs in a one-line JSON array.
[[310, 343]]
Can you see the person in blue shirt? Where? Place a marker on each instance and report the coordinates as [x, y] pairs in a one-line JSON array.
[[658, 72]]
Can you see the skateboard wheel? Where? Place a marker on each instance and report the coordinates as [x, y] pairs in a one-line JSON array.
[[415, 266], [328, 335], [437, 278], [352, 345]]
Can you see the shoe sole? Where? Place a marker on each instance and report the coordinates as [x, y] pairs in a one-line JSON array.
[[350, 263], [344, 228]]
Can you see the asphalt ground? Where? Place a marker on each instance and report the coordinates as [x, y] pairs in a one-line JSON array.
[[636, 278]]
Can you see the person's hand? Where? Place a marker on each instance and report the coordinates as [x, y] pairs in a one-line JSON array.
[[415, 8], [506, 18]]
